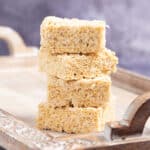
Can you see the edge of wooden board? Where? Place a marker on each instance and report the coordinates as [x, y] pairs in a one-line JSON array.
[[131, 81]]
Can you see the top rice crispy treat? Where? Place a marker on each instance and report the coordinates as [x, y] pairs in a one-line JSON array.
[[60, 35]]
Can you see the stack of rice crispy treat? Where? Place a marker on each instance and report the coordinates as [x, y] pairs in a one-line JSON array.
[[74, 57]]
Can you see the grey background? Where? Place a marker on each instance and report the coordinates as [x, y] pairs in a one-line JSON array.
[[129, 24]]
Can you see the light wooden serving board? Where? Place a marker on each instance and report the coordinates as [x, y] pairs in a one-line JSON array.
[[22, 88]]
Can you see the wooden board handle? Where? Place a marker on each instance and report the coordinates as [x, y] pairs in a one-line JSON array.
[[14, 40], [133, 121]]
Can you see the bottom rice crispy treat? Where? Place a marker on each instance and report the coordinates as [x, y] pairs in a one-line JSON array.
[[74, 119]]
